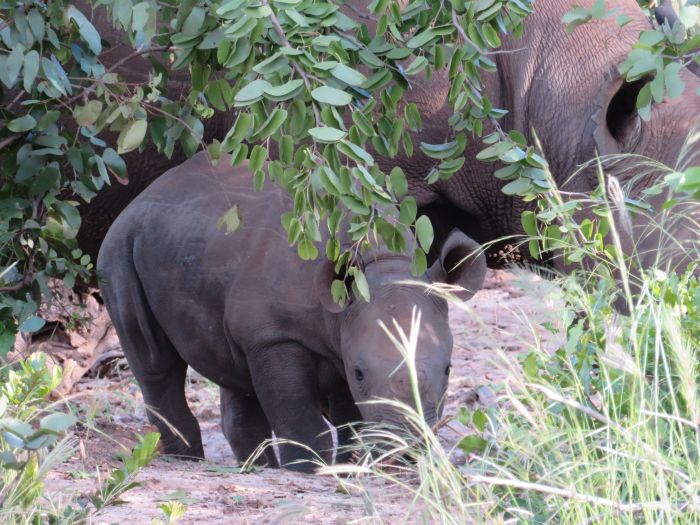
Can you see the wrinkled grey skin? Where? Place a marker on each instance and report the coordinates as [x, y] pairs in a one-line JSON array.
[[564, 87], [246, 312]]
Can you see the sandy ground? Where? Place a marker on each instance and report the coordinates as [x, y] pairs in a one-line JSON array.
[[493, 326]]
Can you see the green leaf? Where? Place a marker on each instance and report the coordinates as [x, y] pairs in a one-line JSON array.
[[286, 149], [86, 29], [418, 65], [271, 125], [252, 92], [31, 68], [131, 136], [285, 91], [348, 75], [259, 180], [674, 85], [13, 66], [230, 221], [88, 114], [480, 420], [339, 292], [355, 152], [517, 187], [58, 422], [360, 283], [490, 35], [330, 95], [421, 39], [529, 222], [307, 249], [419, 263], [115, 163], [398, 181], [257, 158], [408, 210], [31, 324], [21, 124], [413, 117], [424, 232], [354, 204], [530, 365], [327, 135], [470, 444]]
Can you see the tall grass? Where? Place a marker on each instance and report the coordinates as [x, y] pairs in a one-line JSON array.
[[604, 430]]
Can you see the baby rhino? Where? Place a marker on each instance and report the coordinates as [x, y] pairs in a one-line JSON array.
[[247, 313]]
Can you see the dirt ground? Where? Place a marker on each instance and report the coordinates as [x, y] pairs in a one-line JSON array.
[[487, 329]]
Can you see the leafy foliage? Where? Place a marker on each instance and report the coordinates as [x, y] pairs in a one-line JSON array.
[[34, 437], [292, 70], [319, 94]]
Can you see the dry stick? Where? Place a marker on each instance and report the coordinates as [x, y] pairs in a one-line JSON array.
[[280, 32], [546, 489], [359, 13], [9, 140]]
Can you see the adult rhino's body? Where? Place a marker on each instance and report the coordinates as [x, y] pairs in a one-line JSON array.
[[565, 92], [246, 312], [565, 88]]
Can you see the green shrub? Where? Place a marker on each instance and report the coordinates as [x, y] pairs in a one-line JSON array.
[[34, 439]]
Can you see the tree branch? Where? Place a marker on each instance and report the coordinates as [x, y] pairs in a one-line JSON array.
[[116, 65], [463, 34], [283, 37]]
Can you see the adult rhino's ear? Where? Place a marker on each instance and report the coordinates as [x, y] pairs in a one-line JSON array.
[[617, 123], [323, 279], [461, 263]]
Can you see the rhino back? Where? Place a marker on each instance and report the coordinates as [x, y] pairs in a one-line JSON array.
[[218, 296]]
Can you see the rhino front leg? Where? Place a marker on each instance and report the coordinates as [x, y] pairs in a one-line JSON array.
[[246, 427], [285, 379], [344, 412]]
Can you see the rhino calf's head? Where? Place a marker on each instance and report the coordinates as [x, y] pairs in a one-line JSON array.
[[374, 366]]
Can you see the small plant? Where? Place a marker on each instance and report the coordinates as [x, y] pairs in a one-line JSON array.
[[173, 511], [34, 439]]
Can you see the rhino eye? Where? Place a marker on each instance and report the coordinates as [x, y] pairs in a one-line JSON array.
[[359, 375], [447, 370]]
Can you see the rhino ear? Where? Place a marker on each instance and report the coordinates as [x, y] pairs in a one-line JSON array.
[[323, 278], [618, 125], [461, 263]]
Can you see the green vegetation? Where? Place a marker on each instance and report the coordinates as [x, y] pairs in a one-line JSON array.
[[605, 429], [35, 437], [289, 69]]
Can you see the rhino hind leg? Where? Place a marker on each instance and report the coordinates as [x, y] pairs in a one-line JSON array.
[[246, 427], [155, 363], [164, 394]]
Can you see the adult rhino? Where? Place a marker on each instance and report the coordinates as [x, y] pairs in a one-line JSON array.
[[247, 313], [563, 87]]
